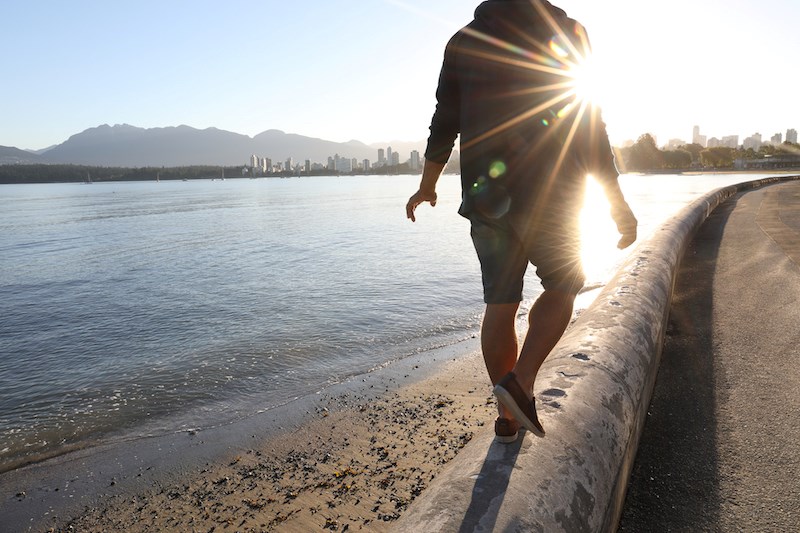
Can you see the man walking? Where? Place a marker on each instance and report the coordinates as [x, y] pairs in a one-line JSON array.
[[527, 145]]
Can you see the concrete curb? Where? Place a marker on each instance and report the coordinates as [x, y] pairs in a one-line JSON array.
[[593, 394]]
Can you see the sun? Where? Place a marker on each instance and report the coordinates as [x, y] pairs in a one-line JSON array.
[[586, 80], [581, 70]]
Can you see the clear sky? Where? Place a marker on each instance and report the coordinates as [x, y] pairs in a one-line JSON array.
[[367, 69]]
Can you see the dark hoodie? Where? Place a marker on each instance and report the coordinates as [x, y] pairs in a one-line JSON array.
[[496, 90]]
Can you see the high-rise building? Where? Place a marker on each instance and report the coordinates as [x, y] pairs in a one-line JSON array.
[[414, 162], [381, 157], [674, 144], [697, 138], [395, 160], [730, 141], [389, 156], [365, 164], [752, 142], [342, 164], [777, 138], [791, 135]]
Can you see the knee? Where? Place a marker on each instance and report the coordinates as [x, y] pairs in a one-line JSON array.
[[557, 298], [498, 314]]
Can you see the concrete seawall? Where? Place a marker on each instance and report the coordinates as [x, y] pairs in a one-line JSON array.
[[593, 394]]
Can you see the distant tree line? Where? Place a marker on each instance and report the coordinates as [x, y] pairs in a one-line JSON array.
[[645, 156], [77, 173], [38, 173]]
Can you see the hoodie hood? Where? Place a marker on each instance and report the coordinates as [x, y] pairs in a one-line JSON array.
[[497, 17]]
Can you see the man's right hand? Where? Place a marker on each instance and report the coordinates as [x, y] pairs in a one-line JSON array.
[[626, 225], [416, 199]]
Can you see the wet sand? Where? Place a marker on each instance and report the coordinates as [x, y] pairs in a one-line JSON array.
[[355, 463]]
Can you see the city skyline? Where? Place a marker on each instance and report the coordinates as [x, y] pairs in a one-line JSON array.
[[342, 69], [755, 140], [385, 158], [389, 157]]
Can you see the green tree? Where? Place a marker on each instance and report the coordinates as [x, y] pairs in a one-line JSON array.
[[748, 154], [789, 148], [718, 157], [644, 155], [767, 150], [693, 149], [677, 159]]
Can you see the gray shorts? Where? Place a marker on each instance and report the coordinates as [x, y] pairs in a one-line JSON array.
[[504, 252]]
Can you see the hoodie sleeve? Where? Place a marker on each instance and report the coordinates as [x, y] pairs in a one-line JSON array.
[[445, 124], [598, 159], [598, 155]]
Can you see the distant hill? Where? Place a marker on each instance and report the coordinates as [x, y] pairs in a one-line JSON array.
[[42, 150], [279, 146], [14, 156], [129, 146]]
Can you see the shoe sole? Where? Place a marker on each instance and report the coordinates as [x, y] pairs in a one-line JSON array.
[[508, 401], [507, 439]]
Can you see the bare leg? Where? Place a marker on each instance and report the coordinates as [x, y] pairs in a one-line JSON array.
[[499, 342], [548, 318]]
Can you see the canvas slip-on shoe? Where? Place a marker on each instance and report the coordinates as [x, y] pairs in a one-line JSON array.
[[506, 431], [510, 394]]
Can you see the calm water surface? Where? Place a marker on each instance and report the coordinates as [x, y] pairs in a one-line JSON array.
[[147, 308]]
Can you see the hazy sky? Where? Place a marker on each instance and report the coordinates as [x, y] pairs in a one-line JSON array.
[[367, 69]]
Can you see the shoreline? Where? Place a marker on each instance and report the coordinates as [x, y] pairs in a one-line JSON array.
[[187, 422], [665, 172], [351, 457]]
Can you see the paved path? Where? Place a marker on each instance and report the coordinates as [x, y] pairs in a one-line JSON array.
[[721, 446]]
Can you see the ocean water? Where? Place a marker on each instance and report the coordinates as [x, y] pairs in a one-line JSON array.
[[144, 308]]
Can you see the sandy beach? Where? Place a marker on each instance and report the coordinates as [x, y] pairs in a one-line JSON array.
[[355, 463], [350, 458]]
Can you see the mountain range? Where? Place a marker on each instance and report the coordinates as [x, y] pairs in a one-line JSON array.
[[124, 145], [15, 156]]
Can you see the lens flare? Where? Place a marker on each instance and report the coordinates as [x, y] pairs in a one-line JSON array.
[[497, 169], [557, 48]]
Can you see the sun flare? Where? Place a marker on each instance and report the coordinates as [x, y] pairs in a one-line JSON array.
[[564, 104], [586, 80]]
